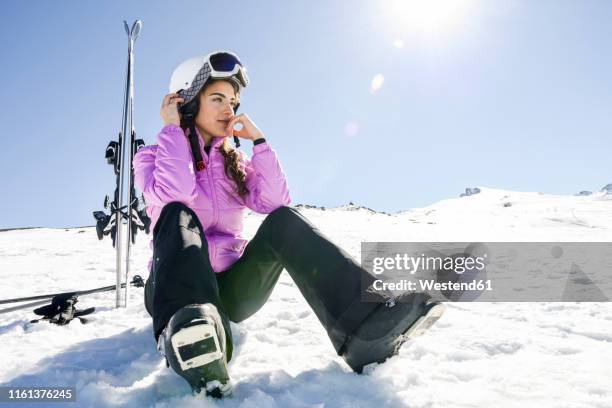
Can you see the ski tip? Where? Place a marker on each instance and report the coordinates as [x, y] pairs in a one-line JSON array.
[[136, 29]]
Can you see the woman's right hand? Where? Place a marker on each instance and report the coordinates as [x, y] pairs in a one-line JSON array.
[[169, 109]]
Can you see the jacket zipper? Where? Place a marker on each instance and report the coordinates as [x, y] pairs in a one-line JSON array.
[[213, 195]]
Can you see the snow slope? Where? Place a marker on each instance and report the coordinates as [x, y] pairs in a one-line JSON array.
[[478, 354]]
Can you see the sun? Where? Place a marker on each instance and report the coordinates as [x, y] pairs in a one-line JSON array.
[[428, 16]]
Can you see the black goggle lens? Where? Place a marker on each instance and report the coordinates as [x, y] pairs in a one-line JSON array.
[[224, 62]]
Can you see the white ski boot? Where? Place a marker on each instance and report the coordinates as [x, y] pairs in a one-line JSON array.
[[194, 345]]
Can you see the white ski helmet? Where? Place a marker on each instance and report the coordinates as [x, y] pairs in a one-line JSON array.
[[191, 75]]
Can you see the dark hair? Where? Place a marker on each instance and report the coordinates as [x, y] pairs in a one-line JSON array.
[[230, 154]]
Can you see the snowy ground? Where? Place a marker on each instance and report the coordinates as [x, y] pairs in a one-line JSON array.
[[478, 354]]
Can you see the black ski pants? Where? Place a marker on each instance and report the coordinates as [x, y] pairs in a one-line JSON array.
[[328, 278]]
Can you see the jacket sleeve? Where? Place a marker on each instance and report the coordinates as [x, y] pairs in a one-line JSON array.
[[164, 173], [265, 180]]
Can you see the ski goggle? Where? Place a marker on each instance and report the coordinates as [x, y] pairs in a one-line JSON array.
[[224, 64]]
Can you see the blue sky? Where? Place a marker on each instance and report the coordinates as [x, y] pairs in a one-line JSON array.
[[506, 94]]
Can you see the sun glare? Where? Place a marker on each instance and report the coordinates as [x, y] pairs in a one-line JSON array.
[[428, 16]]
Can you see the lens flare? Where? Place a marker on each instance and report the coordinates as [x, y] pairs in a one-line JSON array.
[[377, 83], [351, 128]]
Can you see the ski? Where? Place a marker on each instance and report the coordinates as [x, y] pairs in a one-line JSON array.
[[132, 213], [137, 281]]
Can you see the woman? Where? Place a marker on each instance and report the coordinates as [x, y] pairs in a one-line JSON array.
[[203, 274]]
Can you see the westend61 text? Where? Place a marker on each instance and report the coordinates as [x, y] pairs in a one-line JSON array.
[[429, 285]]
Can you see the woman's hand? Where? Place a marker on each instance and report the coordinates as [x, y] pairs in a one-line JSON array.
[[248, 131], [169, 109]]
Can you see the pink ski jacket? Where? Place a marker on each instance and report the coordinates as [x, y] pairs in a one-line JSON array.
[[165, 173]]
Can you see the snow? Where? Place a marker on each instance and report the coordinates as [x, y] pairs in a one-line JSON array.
[[478, 354]]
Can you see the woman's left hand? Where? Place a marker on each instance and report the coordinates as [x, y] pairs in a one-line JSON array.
[[248, 131]]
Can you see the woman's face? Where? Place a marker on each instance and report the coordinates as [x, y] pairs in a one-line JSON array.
[[217, 104]]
